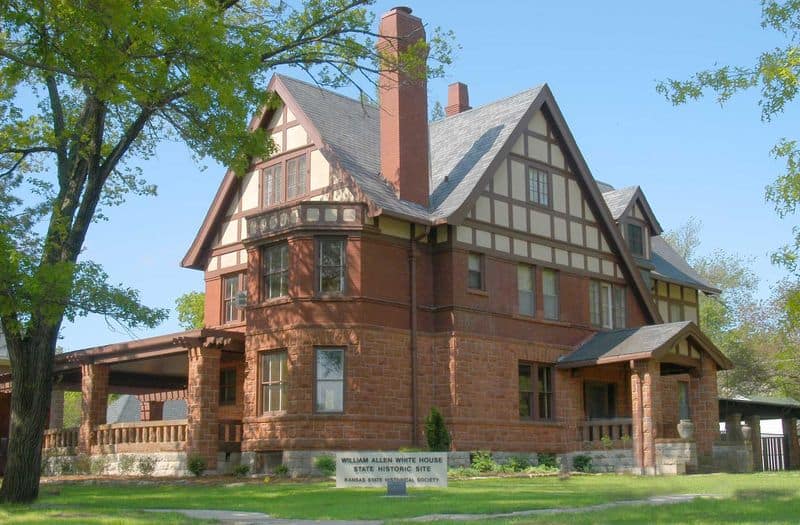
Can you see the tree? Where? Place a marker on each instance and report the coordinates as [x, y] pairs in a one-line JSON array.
[[191, 309], [437, 112], [776, 74], [85, 88], [436, 432]]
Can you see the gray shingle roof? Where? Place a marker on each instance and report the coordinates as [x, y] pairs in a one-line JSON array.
[[670, 266], [462, 146], [618, 200], [622, 343]]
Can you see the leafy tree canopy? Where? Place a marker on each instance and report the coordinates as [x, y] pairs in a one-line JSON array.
[[191, 309]]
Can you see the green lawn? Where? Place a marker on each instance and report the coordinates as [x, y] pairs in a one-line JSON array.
[[769, 497]]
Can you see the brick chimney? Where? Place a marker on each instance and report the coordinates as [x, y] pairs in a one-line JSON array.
[[403, 111], [457, 99]]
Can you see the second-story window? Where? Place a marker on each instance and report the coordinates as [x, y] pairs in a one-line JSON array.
[[273, 185], [475, 271], [296, 177], [231, 286], [526, 276], [331, 266], [550, 294], [607, 305], [538, 187], [286, 180], [276, 271], [636, 240]]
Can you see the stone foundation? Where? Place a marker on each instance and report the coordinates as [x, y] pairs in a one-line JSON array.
[[676, 456], [733, 457], [616, 460], [165, 464]]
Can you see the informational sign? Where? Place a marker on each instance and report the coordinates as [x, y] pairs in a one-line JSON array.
[[375, 469]]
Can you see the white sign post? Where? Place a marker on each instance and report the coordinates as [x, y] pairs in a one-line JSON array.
[[375, 469]]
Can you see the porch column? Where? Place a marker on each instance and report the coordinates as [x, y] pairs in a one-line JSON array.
[[792, 445], [202, 402], [56, 419], [151, 410], [754, 422], [646, 412], [705, 410], [733, 428], [94, 402]]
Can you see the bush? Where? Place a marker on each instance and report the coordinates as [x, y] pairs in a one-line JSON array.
[[436, 432], [325, 464], [607, 442], [196, 464], [547, 460], [126, 464], [463, 472], [147, 465], [283, 470], [482, 462], [98, 466], [517, 463], [582, 463], [241, 470]]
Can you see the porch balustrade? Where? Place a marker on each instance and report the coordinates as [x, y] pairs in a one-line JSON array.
[[60, 438], [593, 430], [142, 436]]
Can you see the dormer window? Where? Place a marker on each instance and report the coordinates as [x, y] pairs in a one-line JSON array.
[[285, 180], [636, 239]]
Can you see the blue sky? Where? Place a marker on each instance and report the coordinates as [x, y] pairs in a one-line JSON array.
[[602, 60]]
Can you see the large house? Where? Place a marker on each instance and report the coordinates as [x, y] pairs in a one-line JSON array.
[[378, 265]]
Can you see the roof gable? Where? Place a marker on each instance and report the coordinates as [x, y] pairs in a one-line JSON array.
[[621, 203]]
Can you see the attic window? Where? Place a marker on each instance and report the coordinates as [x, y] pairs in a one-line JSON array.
[[636, 240], [538, 187]]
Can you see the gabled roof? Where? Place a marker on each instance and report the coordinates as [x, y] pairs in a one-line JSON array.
[[645, 342], [620, 201], [671, 267]]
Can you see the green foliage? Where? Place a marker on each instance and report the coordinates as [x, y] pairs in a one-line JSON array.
[[241, 470], [607, 442], [482, 461], [517, 463], [196, 464], [98, 466], [547, 460], [126, 464], [191, 309], [325, 464], [582, 463], [436, 432], [146, 465], [282, 470], [437, 112]]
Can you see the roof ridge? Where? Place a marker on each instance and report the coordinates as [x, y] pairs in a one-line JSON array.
[[326, 90], [491, 103]]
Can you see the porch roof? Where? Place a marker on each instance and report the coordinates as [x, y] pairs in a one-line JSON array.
[[766, 407], [644, 342]]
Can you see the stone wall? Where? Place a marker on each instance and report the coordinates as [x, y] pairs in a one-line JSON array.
[[614, 460], [732, 457], [165, 464], [676, 456]]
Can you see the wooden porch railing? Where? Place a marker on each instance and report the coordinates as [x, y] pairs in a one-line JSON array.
[[60, 438], [143, 435], [615, 428]]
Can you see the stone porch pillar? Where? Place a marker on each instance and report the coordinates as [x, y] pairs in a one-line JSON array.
[[151, 410], [705, 410], [202, 403], [792, 445], [754, 422], [94, 402], [646, 411], [733, 428], [56, 418]]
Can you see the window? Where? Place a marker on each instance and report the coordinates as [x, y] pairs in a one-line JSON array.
[[273, 185], [227, 386], [550, 294], [636, 240], [535, 391], [607, 305], [538, 187], [275, 261], [274, 374], [331, 265], [599, 399], [329, 395], [683, 400], [475, 271], [526, 276], [296, 177], [231, 286], [675, 312]]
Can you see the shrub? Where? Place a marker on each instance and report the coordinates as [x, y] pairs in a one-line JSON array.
[[65, 467], [626, 440], [282, 470], [482, 461], [98, 466], [463, 472], [436, 432], [241, 470], [582, 463], [517, 463], [607, 442], [126, 464], [147, 465], [547, 460], [82, 464], [196, 464], [325, 464]]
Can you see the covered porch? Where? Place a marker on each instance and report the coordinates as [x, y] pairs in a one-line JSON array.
[[189, 367], [651, 391]]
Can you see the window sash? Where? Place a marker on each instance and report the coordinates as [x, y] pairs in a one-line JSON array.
[[475, 271], [276, 271], [538, 187], [273, 185], [526, 297], [684, 411], [607, 307], [230, 286], [227, 386], [550, 294], [274, 371], [635, 239], [331, 266], [296, 177], [329, 377], [535, 391]]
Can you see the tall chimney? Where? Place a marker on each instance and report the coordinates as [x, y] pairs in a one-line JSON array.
[[457, 99], [403, 110]]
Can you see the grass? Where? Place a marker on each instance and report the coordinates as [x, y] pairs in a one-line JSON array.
[[767, 497]]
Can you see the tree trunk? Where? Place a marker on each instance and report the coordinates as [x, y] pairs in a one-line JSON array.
[[30, 400]]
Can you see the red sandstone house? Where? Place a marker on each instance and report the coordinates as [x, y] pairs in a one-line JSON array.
[[378, 265]]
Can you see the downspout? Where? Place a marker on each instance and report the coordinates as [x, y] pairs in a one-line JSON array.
[[412, 280]]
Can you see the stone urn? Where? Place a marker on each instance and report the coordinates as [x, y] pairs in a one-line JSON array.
[[686, 429], [747, 432]]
